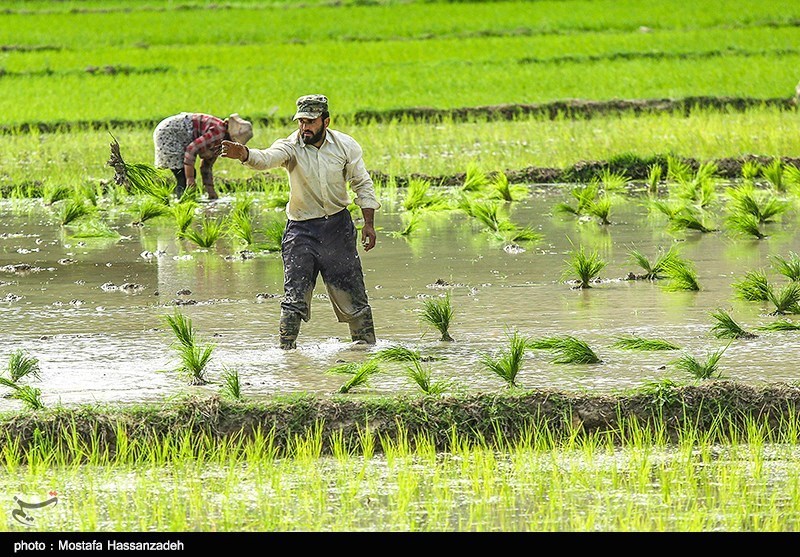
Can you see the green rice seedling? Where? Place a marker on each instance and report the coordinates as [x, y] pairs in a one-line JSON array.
[[194, 358], [745, 224], [502, 189], [88, 192], [52, 193], [73, 210], [601, 209], [791, 176], [788, 266], [242, 203], [681, 276], [148, 208], [231, 384], [764, 206], [544, 343], [571, 350], [678, 170], [773, 174], [654, 173], [698, 369], [418, 196], [94, 228], [751, 169], [686, 218], [412, 221], [655, 270], [514, 234], [508, 363], [668, 208], [475, 178], [240, 226], [613, 181], [584, 266], [210, 231], [438, 313], [644, 344], [584, 195], [273, 235], [31, 397], [727, 327], [780, 325], [488, 213], [21, 365], [786, 300], [398, 353], [754, 287], [421, 375], [183, 213], [360, 374], [662, 393]]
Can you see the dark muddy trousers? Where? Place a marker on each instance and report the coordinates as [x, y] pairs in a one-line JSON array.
[[324, 246]]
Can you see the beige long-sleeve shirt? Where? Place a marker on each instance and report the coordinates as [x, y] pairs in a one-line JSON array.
[[318, 178]]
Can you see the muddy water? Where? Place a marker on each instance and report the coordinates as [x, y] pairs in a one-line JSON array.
[[93, 310]]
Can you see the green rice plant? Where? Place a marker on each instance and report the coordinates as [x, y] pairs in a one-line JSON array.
[[183, 212], [210, 231], [584, 266], [613, 181], [786, 300], [699, 369], [94, 228], [194, 358], [727, 327], [601, 209], [52, 193], [488, 213], [502, 189], [753, 287], [686, 218], [678, 170], [418, 196], [421, 375], [571, 350], [73, 210], [780, 325], [654, 173], [475, 178], [438, 313], [508, 363], [88, 192], [654, 270], [360, 374], [148, 208], [788, 266], [751, 169], [514, 234], [242, 203], [21, 365], [545, 343], [273, 235], [397, 353], [668, 208], [240, 226], [681, 276], [773, 174], [643, 344], [231, 384], [764, 206], [412, 220], [745, 224], [584, 195], [791, 176], [31, 397], [661, 393]]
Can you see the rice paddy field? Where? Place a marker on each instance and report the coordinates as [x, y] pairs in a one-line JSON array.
[[586, 284]]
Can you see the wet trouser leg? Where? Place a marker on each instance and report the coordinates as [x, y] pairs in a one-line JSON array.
[[180, 177], [326, 246]]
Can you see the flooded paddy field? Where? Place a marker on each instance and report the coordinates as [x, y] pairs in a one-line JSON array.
[[93, 310]]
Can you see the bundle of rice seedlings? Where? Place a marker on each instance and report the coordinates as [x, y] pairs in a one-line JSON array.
[[788, 266], [94, 228], [31, 397], [421, 375], [21, 365], [572, 350], [727, 327], [787, 300], [654, 173], [360, 374], [398, 353], [698, 369], [687, 219], [773, 174], [231, 385], [601, 209], [412, 221], [147, 208], [746, 224], [502, 189], [138, 177], [584, 266], [780, 325], [750, 170], [438, 313], [475, 179], [240, 226], [194, 358], [655, 270], [612, 181], [184, 215], [509, 362], [273, 234], [681, 276], [643, 344], [754, 287], [55, 192], [678, 170], [73, 210], [584, 195], [210, 231]]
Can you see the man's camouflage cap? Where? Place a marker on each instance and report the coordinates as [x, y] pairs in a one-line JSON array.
[[311, 106]]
